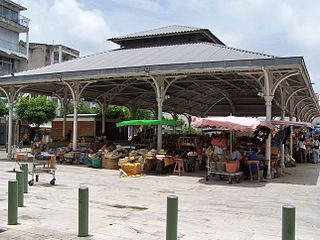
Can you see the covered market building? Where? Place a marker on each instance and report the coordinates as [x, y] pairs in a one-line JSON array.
[[179, 70]]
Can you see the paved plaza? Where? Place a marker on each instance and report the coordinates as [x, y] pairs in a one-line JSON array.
[[135, 208]]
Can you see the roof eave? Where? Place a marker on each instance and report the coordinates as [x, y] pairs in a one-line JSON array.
[[155, 69]]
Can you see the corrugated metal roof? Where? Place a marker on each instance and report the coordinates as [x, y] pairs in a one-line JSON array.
[[160, 31], [188, 53]]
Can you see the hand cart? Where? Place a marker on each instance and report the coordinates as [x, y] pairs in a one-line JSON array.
[[19, 156], [212, 171], [43, 164], [222, 175]]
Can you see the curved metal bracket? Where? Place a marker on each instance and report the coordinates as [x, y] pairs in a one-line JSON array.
[[293, 93], [280, 80], [301, 110], [298, 103], [309, 112]]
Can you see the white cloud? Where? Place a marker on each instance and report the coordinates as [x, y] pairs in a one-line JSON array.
[[282, 28], [67, 22]]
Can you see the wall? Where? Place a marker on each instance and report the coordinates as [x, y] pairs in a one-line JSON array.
[[37, 56], [85, 128], [9, 39]]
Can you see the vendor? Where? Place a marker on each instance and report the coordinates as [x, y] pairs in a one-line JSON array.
[[255, 156], [218, 152], [236, 154]]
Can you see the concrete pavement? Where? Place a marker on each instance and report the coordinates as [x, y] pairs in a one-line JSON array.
[[135, 208]]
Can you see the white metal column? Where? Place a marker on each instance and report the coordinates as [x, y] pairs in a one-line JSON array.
[[64, 123], [268, 102], [75, 124], [76, 90], [291, 137], [159, 132], [10, 106], [11, 94], [103, 117], [282, 145]]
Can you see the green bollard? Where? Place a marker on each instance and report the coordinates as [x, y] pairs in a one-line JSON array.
[[288, 222], [12, 202], [83, 224], [24, 168], [172, 218], [19, 177]]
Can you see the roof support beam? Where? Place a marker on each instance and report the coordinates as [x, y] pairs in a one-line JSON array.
[[302, 114], [11, 94], [76, 88], [281, 79], [310, 112]]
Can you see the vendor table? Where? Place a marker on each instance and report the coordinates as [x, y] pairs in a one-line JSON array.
[[222, 175]]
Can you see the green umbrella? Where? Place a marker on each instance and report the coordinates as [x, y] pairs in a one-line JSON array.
[[146, 122]]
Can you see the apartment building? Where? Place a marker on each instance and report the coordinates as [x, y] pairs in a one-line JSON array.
[[46, 54], [13, 52]]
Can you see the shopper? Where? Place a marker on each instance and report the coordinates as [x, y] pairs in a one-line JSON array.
[[315, 150], [302, 148]]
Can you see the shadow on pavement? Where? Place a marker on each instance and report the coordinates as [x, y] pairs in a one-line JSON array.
[[302, 174]]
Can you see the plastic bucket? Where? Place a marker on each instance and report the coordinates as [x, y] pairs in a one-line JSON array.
[[52, 161], [96, 162], [221, 166], [232, 167]]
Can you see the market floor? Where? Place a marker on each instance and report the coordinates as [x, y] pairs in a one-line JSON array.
[[135, 208]]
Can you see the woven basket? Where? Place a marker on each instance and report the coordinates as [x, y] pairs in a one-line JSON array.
[[110, 163]]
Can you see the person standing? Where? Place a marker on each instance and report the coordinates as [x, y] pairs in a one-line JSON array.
[[68, 135], [315, 150], [302, 149]]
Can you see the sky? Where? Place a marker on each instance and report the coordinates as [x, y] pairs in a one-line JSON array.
[[276, 27]]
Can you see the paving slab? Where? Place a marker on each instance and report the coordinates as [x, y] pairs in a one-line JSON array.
[[135, 208]]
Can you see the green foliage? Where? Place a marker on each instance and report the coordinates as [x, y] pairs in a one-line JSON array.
[[118, 113], [190, 130], [144, 114], [83, 109], [3, 109], [179, 122], [114, 112], [37, 110]]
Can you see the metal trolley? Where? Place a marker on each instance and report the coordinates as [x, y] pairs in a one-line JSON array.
[[20, 156], [43, 164], [211, 172]]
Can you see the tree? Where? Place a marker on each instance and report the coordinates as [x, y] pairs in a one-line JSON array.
[[36, 111], [118, 113], [84, 109], [190, 130], [144, 114], [3, 109], [179, 122]]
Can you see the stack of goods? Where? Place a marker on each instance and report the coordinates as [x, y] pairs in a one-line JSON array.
[[96, 159], [111, 157], [131, 166], [131, 169]]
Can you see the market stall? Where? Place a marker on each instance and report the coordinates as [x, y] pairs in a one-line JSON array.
[[222, 160]]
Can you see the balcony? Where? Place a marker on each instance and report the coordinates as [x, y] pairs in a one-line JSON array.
[[14, 19], [5, 67], [13, 47]]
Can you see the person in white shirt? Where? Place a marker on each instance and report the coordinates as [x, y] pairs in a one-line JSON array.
[[302, 149], [218, 151]]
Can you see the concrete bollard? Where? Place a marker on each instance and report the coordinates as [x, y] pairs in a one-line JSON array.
[[12, 202], [24, 168], [83, 223], [288, 222], [172, 218], [19, 177]]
